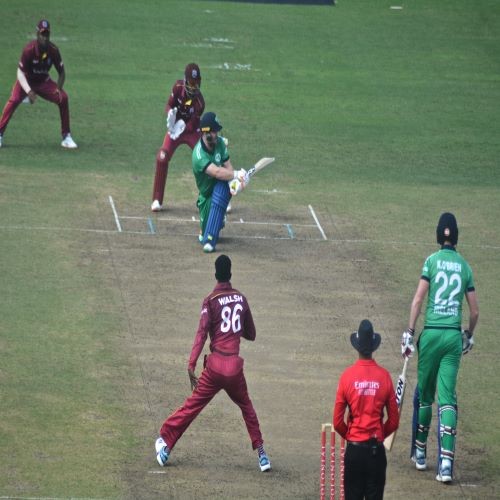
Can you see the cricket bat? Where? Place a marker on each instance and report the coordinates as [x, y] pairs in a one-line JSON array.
[[263, 162], [400, 393]]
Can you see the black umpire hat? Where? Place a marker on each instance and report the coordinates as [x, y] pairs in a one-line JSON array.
[[365, 340], [209, 123]]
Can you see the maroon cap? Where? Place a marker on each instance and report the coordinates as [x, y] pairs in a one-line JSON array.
[[192, 73], [42, 26]]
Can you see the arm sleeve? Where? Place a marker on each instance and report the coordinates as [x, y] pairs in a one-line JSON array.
[[171, 99], [201, 336], [339, 411], [21, 78], [392, 422], [58, 62], [249, 331]]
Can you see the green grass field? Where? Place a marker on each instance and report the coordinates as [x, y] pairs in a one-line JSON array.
[[381, 118]]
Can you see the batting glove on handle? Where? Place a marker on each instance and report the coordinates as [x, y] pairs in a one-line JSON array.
[[240, 174], [407, 347], [171, 116], [235, 187], [467, 341]]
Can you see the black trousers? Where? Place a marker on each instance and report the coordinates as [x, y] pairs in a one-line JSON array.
[[364, 473]]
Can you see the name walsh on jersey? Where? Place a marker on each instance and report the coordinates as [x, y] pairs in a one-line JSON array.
[[229, 299]]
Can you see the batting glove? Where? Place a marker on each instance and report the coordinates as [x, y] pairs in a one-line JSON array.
[[240, 174], [171, 119], [467, 341], [407, 347], [235, 187]]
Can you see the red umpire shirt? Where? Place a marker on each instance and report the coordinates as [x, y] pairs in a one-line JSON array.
[[365, 388]]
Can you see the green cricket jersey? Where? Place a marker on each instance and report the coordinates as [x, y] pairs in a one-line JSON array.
[[201, 159], [449, 277]]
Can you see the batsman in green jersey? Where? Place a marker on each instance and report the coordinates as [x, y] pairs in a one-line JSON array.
[[212, 170], [446, 278]]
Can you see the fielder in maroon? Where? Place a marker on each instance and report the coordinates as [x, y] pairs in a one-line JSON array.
[[33, 79], [184, 108], [226, 317]]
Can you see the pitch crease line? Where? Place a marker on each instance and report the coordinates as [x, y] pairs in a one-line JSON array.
[[117, 220], [230, 221], [151, 224], [317, 222]]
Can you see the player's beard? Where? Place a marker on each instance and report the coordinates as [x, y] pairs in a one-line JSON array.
[[211, 141]]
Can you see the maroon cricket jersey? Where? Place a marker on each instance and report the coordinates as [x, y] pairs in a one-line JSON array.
[[226, 317], [36, 63], [189, 109]]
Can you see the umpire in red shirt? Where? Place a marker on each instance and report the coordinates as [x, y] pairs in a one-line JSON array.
[[365, 389]]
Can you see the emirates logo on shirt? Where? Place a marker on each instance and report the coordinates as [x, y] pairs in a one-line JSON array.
[[366, 387]]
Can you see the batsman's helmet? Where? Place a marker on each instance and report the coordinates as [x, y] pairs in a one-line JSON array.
[[447, 229], [209, 123]]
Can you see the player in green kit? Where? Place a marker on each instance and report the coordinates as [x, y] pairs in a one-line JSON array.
[[446, 278], [212, 170]]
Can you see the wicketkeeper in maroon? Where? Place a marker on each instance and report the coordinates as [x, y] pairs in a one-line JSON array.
[[33, 79], [184, 109], [226, 317]]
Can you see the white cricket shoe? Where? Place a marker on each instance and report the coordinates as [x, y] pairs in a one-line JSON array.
[[420, 459], [156, 207], [159, 444], [162, 452], [228, 209], [444, 473], [68, 142], [264, 463], [208, 248]]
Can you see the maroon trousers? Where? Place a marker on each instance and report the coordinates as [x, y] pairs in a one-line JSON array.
[[164, 155], [209, 384], [49, 91]]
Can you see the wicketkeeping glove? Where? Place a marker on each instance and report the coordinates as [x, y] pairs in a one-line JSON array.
[[407, 347], [179, 127], [171, 119], [467, 341]]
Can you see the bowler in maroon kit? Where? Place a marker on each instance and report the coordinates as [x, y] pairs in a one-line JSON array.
[[184, 109], [33, 80], [225, 317]]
